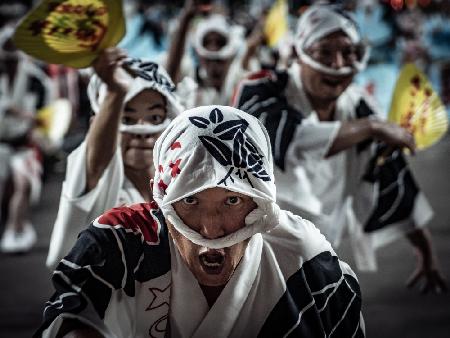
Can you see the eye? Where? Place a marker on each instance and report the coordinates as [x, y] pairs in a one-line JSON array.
[[156, 119], [190, 200], [127, 120], [233, 200]]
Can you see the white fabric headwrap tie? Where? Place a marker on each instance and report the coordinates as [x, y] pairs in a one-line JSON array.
[[319, 21], [216, 146], [218, 23], [144, 129]]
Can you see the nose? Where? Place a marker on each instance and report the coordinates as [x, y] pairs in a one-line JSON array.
[[212, 224], [338, 60]]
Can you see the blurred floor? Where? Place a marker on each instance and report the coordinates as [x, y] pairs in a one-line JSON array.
[[390, 310]]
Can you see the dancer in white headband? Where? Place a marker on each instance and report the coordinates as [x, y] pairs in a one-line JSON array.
[[213, 256], [222, 52], [337, 163], [133, 101]]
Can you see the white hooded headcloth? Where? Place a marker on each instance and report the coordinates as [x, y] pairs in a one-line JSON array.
[[219, 24], [319, 21], [143, 75], [216, 146]]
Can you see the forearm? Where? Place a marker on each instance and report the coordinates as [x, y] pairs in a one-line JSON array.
[[102, 137], [176, 50], [351, 133], [249, 53]]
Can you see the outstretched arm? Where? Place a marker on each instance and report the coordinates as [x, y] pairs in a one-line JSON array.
[[103, 133], [176, 50], [254, 40], [356, 131]]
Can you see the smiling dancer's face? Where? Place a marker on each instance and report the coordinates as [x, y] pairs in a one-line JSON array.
[[334, 51], [213, 213], [147, 107]]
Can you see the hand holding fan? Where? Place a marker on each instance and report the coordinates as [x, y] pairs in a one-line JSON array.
[[416, 107], [71, 32]]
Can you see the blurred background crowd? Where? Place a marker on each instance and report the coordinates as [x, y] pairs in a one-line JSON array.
[[34, 143]]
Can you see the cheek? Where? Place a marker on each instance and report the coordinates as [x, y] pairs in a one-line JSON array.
[[237, 252], [186, 248], [235, 219], [124, 140]]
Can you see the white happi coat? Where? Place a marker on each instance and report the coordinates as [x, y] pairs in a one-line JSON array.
[[328, 191], [77, 209]]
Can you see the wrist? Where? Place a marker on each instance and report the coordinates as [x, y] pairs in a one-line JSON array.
[[374, 127], [116, 91]]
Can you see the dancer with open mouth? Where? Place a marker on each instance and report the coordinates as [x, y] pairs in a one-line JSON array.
[[212, 256]]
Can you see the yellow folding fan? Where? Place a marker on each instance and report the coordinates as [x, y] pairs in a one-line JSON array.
[[416, 107], [71, 32]]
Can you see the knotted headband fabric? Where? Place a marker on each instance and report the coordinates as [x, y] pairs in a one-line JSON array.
[[216, 146], [319, 21], [143, 75], [218, 23]]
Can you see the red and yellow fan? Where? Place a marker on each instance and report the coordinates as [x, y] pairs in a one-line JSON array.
[[71, 32], [416, 107]]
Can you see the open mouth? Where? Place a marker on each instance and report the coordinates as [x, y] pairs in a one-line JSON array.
[[212, 261], [334, 81]]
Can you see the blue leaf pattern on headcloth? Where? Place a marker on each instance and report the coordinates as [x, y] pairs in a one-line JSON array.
[[149, 71], [244, 156]]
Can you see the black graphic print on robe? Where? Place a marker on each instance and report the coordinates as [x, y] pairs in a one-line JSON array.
[[243, 158], [134, 243], [263, 97], [319, 301], [100, 259], [397, 189]]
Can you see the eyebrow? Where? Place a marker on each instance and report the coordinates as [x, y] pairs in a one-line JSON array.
[[154, 106]]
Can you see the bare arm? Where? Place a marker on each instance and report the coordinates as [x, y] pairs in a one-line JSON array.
[[103, 133], [354, 132], [253, 42], [176, 50]]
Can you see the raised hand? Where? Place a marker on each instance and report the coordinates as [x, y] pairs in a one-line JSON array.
[[394, 135], [108, 66]]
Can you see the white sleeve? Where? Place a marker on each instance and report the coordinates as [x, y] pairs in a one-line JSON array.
[[312, 140], [77, 208]]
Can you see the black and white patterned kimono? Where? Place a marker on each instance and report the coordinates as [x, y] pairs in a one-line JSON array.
[[376, 200], [126, 278], [119, 278]]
